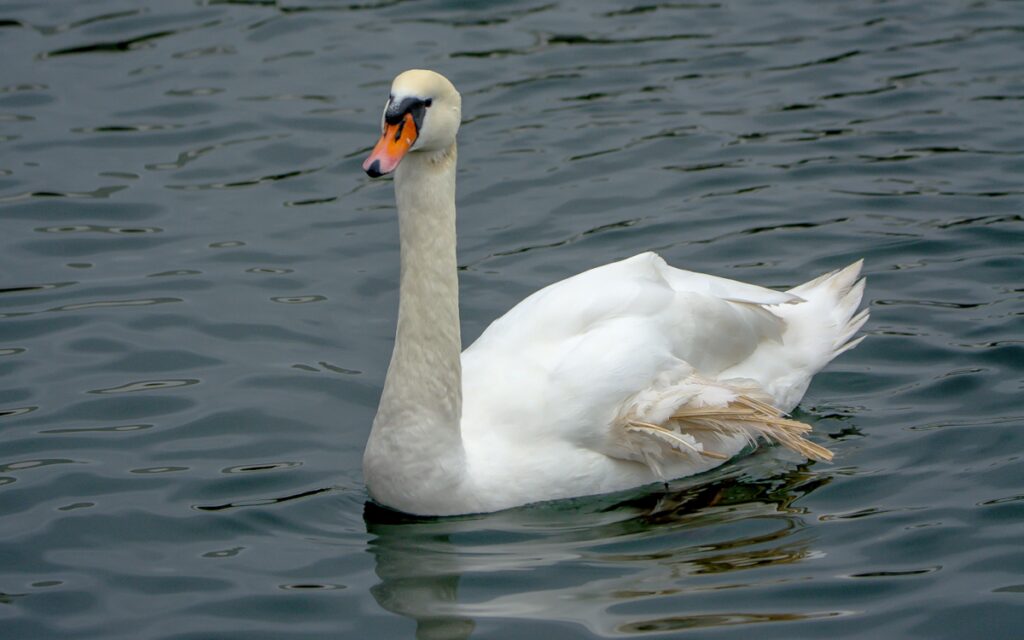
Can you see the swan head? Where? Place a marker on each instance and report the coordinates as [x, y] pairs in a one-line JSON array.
[[422, 114]]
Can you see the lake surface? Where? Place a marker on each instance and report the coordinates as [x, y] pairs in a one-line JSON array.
[[199, 292]]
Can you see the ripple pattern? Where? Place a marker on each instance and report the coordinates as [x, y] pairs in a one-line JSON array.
[[198, 291]]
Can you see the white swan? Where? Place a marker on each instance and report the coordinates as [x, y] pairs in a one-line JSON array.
[[628, 374]]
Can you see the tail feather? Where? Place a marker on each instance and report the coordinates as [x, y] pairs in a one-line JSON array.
[[838, 280], [849, 345], [816, 331], [838, 294], [851, 299], [845, 340]]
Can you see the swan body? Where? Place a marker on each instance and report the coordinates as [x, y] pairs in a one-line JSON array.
[[627, 374]]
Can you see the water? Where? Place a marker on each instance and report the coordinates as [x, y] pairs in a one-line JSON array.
[[200, 290]]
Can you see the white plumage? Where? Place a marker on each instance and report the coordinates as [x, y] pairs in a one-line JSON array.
[[630, 373]]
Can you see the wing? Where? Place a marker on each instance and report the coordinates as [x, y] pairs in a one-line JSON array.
[[566, 360]]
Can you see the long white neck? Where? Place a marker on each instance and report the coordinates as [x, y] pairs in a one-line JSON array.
[[415, 447]]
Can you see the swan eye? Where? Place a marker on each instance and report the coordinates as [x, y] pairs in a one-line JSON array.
[[428, 102]]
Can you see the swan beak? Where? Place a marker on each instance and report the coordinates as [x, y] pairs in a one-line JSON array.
[[394, 143]]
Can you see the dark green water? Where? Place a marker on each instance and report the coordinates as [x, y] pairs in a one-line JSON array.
[[199, 290]]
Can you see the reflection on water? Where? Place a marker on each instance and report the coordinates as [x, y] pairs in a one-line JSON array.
[[596, 562]]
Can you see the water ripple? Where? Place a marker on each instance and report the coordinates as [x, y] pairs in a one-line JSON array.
[[207, 155], [148, 385]]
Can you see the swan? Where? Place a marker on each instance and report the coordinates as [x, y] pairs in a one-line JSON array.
[[628, 374]]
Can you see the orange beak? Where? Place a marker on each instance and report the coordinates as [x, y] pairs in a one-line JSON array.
[[394, 143]]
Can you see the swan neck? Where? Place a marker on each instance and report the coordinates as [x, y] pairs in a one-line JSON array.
[[416, 440], [428, 341]]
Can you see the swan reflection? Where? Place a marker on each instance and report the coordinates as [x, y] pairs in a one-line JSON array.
[[626, 564]]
